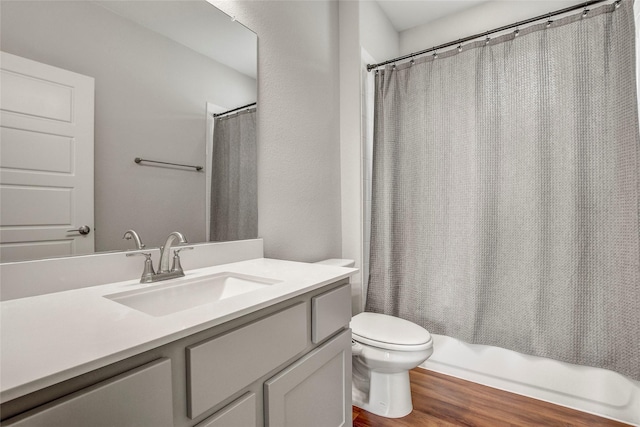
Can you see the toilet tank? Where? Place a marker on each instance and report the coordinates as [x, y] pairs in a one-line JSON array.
[[357, 304], [338, 262]]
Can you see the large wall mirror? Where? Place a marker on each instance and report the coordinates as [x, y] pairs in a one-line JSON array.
[[142, 80]]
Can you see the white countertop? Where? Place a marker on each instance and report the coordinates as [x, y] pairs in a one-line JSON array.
[[50, 338]]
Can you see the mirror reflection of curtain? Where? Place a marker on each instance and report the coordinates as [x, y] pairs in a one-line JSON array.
[[234, 195]]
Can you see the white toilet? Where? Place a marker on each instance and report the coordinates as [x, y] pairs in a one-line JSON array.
[[384, 349]]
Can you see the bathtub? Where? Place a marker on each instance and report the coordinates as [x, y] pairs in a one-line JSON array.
[[593, 390]]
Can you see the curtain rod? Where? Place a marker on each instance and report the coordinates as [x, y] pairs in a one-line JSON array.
[[236, 109], [495, 30]]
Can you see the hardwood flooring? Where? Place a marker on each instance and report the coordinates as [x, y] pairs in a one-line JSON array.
[[443, 401]]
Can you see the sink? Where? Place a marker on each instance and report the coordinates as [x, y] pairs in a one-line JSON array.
[[178, 295]]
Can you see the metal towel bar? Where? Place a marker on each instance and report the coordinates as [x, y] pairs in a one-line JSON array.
[[139, 160]]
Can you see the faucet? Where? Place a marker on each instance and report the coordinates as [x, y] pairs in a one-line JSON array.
[[165, 250], [164, 273], [131, 234]]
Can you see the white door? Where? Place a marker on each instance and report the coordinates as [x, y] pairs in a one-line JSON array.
[[46, 160]]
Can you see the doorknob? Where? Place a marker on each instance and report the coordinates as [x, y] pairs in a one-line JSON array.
[[84, 230]]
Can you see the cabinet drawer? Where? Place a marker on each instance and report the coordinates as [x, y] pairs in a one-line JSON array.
[[224, 365], [141, 397], [330, 312], [240, 413]]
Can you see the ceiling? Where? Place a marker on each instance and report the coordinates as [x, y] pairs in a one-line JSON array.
[[405, 14]]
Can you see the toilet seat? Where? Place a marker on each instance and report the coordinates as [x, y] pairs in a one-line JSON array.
[[390, 333]]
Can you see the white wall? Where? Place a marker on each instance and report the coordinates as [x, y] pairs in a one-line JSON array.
[[377, 35], [298, 125], [150, 102], [350, 146]]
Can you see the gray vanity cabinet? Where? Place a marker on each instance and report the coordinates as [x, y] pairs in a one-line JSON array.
[[288, 364], [330, 311], [140, 397], [240, 413], [224, 365], [312, 392]]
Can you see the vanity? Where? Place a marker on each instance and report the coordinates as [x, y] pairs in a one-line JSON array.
[[272, 348]]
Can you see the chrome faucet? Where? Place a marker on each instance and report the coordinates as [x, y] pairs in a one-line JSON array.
[[131, 234], [165, 250], [164, 273]]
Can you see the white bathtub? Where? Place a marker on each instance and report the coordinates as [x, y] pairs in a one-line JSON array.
[[597, 391]]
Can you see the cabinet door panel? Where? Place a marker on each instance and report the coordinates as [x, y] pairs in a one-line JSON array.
[[224, 365], [315, 391], [240, 413], [141, 397]]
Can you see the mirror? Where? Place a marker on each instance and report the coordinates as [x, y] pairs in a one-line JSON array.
[[161, 69]]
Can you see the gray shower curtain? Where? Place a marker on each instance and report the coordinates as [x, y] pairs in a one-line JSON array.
[[234, 179], [506, 192]]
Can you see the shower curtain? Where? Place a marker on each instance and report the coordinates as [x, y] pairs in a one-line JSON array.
[[234, 192], [506, 189]]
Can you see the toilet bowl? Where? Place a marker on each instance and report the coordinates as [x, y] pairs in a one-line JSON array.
[[384, 349]]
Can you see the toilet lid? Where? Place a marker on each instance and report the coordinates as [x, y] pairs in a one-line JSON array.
[[382, 329]]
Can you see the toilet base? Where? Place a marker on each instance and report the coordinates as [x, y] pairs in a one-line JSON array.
[[389, 395]]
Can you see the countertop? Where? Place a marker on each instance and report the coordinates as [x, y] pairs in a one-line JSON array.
[[50, 338]]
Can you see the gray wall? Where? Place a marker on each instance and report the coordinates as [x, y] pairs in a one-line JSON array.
[[298, 125], [150, 102]]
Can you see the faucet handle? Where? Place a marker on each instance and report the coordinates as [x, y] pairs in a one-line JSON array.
[[181, 248], [177, 267], [148, 272], [146, 254]]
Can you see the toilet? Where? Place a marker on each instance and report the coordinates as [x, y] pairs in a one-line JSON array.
[[384, 349]]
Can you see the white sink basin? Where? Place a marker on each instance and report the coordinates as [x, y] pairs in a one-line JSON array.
[[160, 299]]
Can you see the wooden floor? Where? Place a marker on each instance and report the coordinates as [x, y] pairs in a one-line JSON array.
[[441, 400]]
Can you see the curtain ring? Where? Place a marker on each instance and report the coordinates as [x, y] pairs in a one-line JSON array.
[[517, 32], [549, 21], [460, 48], [487, 40], [618, 3], [585, 11], [413, 61], [435, 54]]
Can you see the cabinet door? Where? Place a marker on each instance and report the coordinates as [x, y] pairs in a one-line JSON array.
[[315, 391], [240, 413], [141, 397]]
